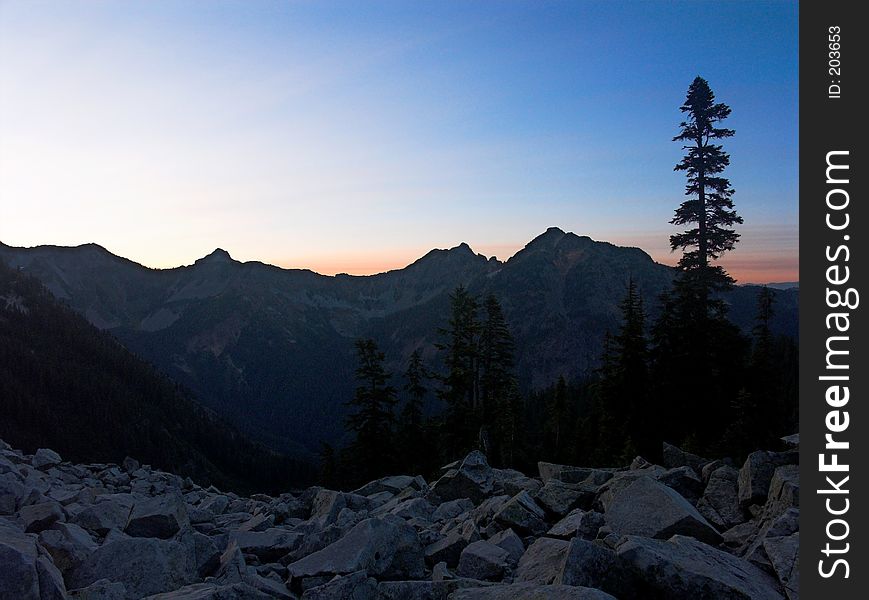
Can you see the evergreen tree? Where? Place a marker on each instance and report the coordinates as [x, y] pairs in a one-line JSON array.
[[709, 207], [498, 386], [460, 391], [372, 422], [418, 452], [557, 422]]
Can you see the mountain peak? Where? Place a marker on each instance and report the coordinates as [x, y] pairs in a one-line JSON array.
[[219, 255]]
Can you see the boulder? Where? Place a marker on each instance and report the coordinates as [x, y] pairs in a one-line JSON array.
[[38, 517], [45, 458], [101, 590], [673, 457], [386, 548], [685, 481], [355, 586], [392, 484], [720, 500], [522, 514], [525, 591], [784, 556], [512, 543], [559, 498], [424, 590], [591, 564], [756, 474], [108, 512], [651, 509], [145, 566], [449, 548], [11, 492], [483, 560], [268, 545], [27, 572], [212, 591], [68, 544], [579, 523], [473, 478], [684, 568], [567, 474], [158, 517], [543, 561], [452, 509], [414, 508]]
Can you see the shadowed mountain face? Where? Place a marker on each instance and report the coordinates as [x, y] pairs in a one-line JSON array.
[[272, 349]]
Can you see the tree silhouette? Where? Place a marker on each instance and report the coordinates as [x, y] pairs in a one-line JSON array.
[[709, 207], [373, 420]]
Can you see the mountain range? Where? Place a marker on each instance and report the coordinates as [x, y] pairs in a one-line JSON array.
[[271, 349]]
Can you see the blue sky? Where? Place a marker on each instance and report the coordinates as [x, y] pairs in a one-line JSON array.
[[355, 136]]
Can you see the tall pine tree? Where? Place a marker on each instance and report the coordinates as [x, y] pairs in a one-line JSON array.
[[372, 451]]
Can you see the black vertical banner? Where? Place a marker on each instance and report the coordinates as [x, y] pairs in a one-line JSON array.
[[834, 363]]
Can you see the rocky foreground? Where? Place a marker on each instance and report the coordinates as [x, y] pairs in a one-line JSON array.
[[692, 529]]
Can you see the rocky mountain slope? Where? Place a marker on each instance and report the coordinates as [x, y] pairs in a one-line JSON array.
[[272, 349], [67, 384], [689, 529]]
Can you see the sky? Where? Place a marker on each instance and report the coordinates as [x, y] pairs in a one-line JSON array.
[[356, 136]]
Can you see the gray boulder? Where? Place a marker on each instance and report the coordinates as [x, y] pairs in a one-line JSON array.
[[756, 474], [45, 458], [673, 457], [720, 500], [525, 591], [355, 586], [784, 556], [483, 560], [27, 572], [108, 512], [68, 544], [158, 517], [579, 523], [101, 590], [559, 498], [449, 548], [651, 509], [268, 545], [385, 548], [568, 474], [37, 517], [684, 568], [591, 564], [452, 509], [424, 590], [543, 561], [473, 478], [145, 566], [512, 543], [522, 514], [212, 591]]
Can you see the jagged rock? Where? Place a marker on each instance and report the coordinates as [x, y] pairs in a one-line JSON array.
[[483, 560], [268, 545], [522, 514], [101, 590], [145, 566], [559, 498], [108, 512], [512, 543], [756, 474], [473, 479], [591, 564], [512, 482], [159, 517], [384, 548], [130, 465], [259, 522], [392, 484], [784, 555], [673, 456], [449, 548], [569, 474], [720, 500], [27, 572], [216, 504], [38, 517], [11, 492], [684, 568], [414, 508], [326, 506], [45, 458], [651, 509], [206, 554], [579, 523], [355, 586], [488, 508], [543, 561], [452, 509], [685, 481], [210, 591], [784, 489], [68, 544], [792, 440], [520, 591], [234, 570]]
